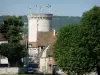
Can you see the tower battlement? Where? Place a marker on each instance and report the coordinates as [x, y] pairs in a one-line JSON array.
[[40, 16]]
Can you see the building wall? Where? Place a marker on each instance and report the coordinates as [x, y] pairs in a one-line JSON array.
[[38, 22], [4, 61], [8, 70], [32, 30], [44, 61], [44, 22], [33, 54], [43, 65], [44, 25], [11, 70], [3, 42]]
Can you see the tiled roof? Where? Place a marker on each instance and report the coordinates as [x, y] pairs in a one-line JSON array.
[[45, 38], [50, 51]]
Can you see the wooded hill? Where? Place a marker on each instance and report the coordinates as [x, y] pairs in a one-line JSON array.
[[57, 21]]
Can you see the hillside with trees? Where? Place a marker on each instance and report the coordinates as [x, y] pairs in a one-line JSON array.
[[57, 21]]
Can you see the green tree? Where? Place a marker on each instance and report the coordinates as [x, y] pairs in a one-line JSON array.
[[14, 52], [67, 53], [90, 23], [12, 29], [77, 48]]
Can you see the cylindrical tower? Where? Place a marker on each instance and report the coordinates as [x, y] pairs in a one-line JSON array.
[[32, 28], [38, 22], [44, 22]]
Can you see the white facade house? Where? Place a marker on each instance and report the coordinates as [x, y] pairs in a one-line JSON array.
[[3, 60], [44, 60]]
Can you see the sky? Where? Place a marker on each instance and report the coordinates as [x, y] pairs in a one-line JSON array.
[[58, 7]]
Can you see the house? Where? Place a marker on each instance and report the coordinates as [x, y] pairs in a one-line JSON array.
[[46, 40], [41, 51]]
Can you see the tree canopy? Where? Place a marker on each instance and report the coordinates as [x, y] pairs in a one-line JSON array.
[[14, 52], [77, 48], [12, 28], [12, 31]]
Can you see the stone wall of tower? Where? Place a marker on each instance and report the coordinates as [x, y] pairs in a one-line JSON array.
[[38, 22], [32, 29]]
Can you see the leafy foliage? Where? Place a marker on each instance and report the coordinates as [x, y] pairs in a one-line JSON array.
[[77, 48], [14, 52], [90, 23], [11, 28], [67, 53]]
